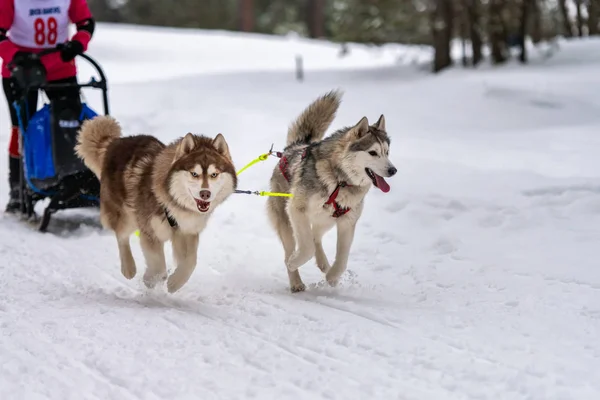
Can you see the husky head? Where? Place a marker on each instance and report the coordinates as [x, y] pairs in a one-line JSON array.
[[368, 153], [202, 173]]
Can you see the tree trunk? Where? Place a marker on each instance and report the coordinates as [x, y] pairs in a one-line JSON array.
[[579, 18], [246, 15], [463, 19], [536, 16], [472, 7], [442, 19], [566, 19], [593, 14], [525, 6], [497, 31], [316, 18]]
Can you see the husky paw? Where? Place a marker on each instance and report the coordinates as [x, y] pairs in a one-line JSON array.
[[150, 280], [324, 267], [128, 269], [174, 284], [332, 281], [298, 287], [333, 276], [322, 262], [299, 258], [176, 281]]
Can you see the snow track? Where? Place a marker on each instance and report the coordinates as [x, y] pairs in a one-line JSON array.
[[476, 277]]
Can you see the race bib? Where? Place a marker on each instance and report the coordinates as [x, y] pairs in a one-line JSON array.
[[40, 23]]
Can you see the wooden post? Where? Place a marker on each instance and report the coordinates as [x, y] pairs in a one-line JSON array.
[[299, 68]]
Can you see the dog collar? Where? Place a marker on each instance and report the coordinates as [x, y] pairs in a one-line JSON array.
[[172, 221]]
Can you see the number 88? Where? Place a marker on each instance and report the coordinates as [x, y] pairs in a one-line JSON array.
[[40, 31]]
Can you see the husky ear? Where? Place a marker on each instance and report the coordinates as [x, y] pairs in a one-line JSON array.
[[221, 145], [185, 146], [380, 124], [361, 128]]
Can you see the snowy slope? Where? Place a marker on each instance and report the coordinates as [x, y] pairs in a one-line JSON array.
[[476, 277]]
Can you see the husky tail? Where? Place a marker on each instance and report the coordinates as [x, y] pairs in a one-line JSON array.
[[311, 125], [94, 138]]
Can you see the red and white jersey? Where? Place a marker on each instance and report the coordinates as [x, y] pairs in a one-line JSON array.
[[33, 25], [39, 24]]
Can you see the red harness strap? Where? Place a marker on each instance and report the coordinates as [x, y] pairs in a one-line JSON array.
[[338, 210], [283, 164]]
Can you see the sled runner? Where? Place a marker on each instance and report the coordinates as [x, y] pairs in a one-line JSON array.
[[50, 168]]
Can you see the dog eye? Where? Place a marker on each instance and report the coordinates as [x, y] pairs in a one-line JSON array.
[[373, 153], [194, 174], [214, 175]]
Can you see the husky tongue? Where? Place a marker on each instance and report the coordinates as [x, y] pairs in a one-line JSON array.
[[381, 183]]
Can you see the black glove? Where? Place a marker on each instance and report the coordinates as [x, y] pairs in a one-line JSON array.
[[70, 50]]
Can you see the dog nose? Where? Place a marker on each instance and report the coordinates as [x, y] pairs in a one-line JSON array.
[[392, 171], [205, 194]]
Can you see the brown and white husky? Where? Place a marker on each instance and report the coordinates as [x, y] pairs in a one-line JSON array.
[[167, 192]]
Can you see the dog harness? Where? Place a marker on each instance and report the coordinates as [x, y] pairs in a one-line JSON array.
[[338, 210]]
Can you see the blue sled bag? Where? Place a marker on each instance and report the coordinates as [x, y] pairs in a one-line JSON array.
[[49, 143]]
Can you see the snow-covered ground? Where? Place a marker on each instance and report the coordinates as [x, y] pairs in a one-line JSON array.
[[475, 277]]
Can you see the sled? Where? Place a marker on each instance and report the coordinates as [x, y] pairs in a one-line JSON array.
[[50, 168]]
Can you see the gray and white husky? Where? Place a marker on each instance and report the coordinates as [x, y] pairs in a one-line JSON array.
[[329, 179]]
